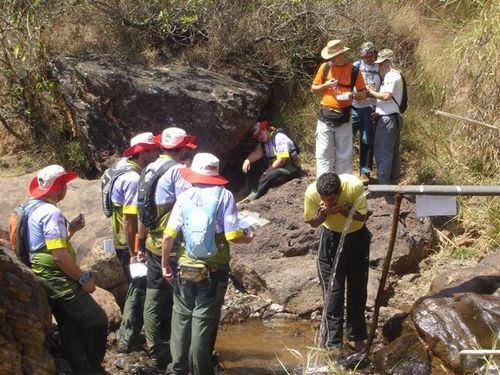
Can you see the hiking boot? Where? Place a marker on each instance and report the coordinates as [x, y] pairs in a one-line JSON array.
[[252, 196], [365, 178], [335, 350]]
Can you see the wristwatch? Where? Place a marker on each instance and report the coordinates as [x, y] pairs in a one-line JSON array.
[[85, 276]]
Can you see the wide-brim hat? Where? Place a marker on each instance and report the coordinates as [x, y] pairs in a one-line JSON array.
[[50, 179], [333, 48], [258, 127], [204, 170], [140, 143], [385, 54], [173, 138]]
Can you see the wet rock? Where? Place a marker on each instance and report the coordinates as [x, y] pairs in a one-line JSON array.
[[405, 355], [451, 324], [110, 101], [284, 316], [483, 278], [393, 327], [25, 319], [108, 303]]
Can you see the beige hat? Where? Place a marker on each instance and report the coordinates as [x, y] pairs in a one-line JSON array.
[[385, 54], [333, 48]]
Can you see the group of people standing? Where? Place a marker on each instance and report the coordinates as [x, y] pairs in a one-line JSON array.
[[178, 302]]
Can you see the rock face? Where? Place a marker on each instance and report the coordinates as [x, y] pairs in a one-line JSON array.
[[451, 324], [284, 252], [25, 319], [108, 303], [111, 101]]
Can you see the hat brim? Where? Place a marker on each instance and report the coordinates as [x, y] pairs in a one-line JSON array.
[[327, 56], [141, 147], [262, 126], [36, 192], [196, 178], [186, 142], [378, 61]]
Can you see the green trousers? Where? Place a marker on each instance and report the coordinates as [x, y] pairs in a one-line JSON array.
[[195, 319], [83, 326], [132, 317], [157, 312]]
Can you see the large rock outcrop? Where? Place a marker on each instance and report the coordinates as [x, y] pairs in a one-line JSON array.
[[25, 319], [110, 101]]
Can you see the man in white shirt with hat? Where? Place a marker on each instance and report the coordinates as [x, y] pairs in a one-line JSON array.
[[142, 151], [176, 147], [389, 120], [201, 283]]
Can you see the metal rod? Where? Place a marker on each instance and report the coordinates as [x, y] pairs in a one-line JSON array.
[[492, 190], [385, 272], [461, 118], [479, 352]]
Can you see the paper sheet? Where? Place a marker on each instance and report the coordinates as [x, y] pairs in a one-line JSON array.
[[138, 270], [436, 205], [249, 219], [107, 246]]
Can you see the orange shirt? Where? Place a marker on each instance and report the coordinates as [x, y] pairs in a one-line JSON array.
[[343, 75]]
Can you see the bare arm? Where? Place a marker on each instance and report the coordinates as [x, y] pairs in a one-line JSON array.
[[385, 96], [166, 248], [255, 155], [318, 89], [130, 229], [66, 263]]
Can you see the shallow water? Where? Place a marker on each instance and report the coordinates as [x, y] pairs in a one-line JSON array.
[[253, 346]]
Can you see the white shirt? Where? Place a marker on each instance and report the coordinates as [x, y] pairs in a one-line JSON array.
[[392, 83], [371, 76]]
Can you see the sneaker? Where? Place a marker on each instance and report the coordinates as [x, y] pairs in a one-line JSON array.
[[365, 178]]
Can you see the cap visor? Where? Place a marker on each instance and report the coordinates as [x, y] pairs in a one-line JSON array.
[[196, 178], [141, 147]]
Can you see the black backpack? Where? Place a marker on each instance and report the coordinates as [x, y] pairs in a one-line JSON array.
[[404, 98], [146, 195], [354, 74], [296, 149], [18, 229], [108, 180]]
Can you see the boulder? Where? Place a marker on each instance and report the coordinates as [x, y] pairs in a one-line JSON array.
[[483, 278], [108, 303], [405, 355], [25, 319], [451, 324], [110, 101]]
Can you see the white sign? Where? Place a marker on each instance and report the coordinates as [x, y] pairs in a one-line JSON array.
[[247, 219], [436, 205]]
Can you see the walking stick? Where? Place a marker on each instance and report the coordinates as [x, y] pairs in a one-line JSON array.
[[385, 272]]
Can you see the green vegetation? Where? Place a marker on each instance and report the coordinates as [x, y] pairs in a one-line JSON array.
[[447, 49]]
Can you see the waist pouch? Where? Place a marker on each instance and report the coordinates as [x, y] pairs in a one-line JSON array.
[[193, 272], [334, 117]]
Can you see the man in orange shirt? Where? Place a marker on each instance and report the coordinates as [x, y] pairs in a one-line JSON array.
[[335, 82]]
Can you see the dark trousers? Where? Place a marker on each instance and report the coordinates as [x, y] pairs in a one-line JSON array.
[[83, 326], [196, 315], [123, 256], [132, 317], [353, 268], [261, 183], [362, 121], [157, 311]]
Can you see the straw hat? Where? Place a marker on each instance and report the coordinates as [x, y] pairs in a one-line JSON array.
[[385, 54], [333, 48], [139, 143], [172, 138], [50, 179], [204, 170]]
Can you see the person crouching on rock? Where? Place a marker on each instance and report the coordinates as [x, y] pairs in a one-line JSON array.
[[82, 323], [272, 162]]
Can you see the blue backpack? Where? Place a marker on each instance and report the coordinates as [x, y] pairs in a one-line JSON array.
[[199, 216]]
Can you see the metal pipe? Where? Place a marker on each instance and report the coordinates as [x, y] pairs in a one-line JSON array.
[[435, 189], [385, 272], [480, 352], [461, 118]]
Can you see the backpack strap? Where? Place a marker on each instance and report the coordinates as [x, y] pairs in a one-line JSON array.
[[402, 92], [326, 69]]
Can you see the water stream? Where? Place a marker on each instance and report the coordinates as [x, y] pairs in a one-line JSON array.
[[254, 346]]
